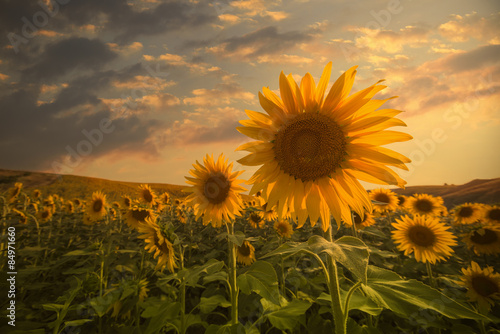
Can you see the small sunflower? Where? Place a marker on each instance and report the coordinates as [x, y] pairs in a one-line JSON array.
[[427, 237], [77, 202], [158, 244], [491, 214], [214, 191], [14, 192], [136, 216], [485, 240], [269, 213], [256, 219], [36, 194], [23, 219], [425, 205], [45, 214], [368, 220], [283, 228], [165, 198], [385, 196], [483, 285], [401, 201], [146, 195], [116, 205], [70, 207], [245, 254], [96, 207], [126, 202], [181, 215], [467, 213]]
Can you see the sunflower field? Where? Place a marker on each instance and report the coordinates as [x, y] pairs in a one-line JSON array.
[[309, 250]]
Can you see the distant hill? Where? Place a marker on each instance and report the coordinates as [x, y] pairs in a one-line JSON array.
[[478, 191], [71, 186]]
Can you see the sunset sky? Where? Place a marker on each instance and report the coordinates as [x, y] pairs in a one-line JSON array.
[[157, 84]]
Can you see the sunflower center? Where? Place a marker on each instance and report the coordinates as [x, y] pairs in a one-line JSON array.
[[140, 215], [424, 205], [244, 250], [494, 214], [381, 197], [255, 217], [484, 286], [421, 236], [401, 200], [465, 212], [45, 214], [310, 146], [97, 206], [487, 238], [216, 188], [164, 249], [148, 197], [357, 218]]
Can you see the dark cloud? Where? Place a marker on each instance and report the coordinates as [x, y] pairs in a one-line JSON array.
[[69, 54], [34, 136], [267, 40]]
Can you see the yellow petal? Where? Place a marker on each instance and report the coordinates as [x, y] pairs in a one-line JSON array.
[[256, 133], [323, 82], [287, 95], [307, 87], [339, 90], [380, 138]]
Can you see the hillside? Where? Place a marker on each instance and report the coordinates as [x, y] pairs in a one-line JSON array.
[[71, 186], [479, 191]]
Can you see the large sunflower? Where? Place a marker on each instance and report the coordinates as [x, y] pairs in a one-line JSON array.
[[424, 204], [384, 196], [483, 285], [485, 240], [158, 244], [467, 213], [96, 207], [491, 214], [245, 254], [427, 237], [214, 191], [313, 147]]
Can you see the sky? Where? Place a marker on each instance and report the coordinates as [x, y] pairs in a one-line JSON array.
[[139, 90]]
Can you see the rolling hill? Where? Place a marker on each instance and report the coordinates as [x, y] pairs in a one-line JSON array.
[[72, 186]]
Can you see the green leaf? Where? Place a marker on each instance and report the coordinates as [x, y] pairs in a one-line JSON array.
[[226, 329], [261, 279], [411, 298], [237, 238], [287, 317], [74, 323], [357, 302], [167, 314], [53, 307], [207, 305], [351, 252], [192, 275]]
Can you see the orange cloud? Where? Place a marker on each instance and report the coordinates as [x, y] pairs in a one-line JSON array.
[[462, 28]]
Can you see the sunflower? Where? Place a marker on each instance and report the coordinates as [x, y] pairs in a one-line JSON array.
[[181, 215], [158, 244], [146, 194], [256, 219], [214, 191], [483, 285], [485, 240], [245, 254], [313, 147], [283, 228], [96, 207], [165, 198], [77, 202], [401, 201], [384, 196], [45, 214], [426, 236], [22, 217], [70, 207], [467, 213], [126, 202], [269, 213], [367, 220], [136, 216], [36, 194], [14, 192], [491, 214], [424, 204]]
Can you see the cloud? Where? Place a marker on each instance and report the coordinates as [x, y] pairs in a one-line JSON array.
[[125, 49], [61, 57], [262, 42], [391, 41], [480, 57], [463, 28], [222, 94]]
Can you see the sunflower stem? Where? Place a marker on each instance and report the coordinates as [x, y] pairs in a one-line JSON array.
[[333, 285], [183, 293], [432, 282], [233, 287]]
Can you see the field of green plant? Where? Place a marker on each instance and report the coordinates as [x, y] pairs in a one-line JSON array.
[[147, 265]]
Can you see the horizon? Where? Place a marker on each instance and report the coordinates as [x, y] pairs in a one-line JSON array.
[[140, 90]]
